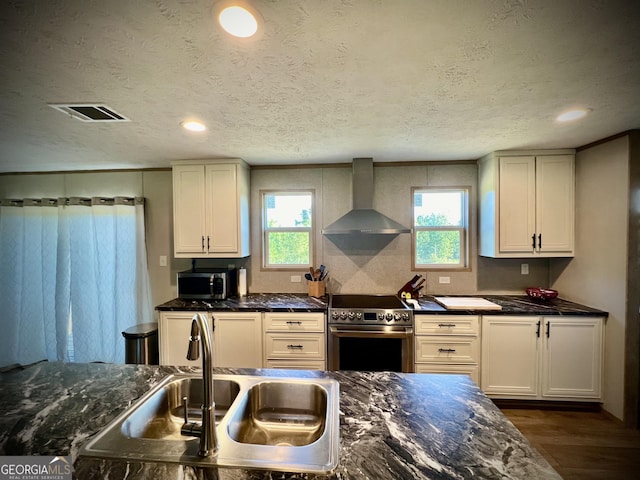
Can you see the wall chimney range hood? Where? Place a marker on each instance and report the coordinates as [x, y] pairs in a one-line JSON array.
[[363, 219]]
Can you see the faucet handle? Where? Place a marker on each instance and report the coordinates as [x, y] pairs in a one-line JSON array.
[[193, 353], [185, 409]]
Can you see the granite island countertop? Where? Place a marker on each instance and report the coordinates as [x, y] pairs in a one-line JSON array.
[[392, 425], [298, 302]]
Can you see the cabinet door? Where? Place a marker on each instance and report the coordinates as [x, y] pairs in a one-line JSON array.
[[555, 203], [572, 357], [517, 204], [222, 208], [237, 339], [510, 355], [188, 209], [174, 330]]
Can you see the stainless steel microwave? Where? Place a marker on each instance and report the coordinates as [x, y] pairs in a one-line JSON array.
[[208, 283]]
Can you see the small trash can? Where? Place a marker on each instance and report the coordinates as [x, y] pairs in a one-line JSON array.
[[141, 344]]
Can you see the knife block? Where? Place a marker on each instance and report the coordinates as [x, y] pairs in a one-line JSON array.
[[317, 289]]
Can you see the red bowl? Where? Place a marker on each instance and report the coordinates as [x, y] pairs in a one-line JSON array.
[[541, 293]]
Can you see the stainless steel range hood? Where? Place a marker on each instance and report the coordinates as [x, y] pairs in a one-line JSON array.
[[363, 218]]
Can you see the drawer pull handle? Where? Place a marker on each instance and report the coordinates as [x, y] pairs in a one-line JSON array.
[[291, 322], [446, 350], [295, 347], [449, 325]]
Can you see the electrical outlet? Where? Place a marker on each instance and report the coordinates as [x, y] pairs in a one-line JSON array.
[[444, 279], [296, 279], [163, 260], [524, 269]]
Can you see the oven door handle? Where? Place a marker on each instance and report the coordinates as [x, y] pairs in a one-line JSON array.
[[377, 331]]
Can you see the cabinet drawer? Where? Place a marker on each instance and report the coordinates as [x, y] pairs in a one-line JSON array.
[[294, 322], [447, 324], [447, 349], [471, 370], [282, 346], [297, 364]]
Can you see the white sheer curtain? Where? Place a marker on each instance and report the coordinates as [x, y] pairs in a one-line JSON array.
[[88, 266], [28, 268]]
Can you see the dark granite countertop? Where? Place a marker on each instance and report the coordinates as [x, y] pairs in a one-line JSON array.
[[257, 302], [514, 305], [392, 425], [296, 302]]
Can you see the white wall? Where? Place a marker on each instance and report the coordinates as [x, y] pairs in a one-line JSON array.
[[597, 276]]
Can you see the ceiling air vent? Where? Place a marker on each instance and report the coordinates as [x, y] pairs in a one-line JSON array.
[[90, 112]]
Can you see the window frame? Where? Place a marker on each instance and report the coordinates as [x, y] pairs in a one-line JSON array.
[[465, 230], [264, 265]]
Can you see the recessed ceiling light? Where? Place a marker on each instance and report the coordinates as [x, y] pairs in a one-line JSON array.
[[194, 126], [571, 115], [238, 21]]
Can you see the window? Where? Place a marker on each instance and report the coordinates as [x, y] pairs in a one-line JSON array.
[[440, 225], [287, 225]]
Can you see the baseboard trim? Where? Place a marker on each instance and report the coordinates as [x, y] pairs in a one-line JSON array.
[[548, 405]]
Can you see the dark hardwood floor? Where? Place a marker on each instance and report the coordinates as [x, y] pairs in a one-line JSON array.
[[581, 445]]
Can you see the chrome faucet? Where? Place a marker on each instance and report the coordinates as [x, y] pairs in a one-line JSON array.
[[200, 332]]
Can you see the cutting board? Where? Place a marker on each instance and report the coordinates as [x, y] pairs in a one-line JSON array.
[[467, 303]]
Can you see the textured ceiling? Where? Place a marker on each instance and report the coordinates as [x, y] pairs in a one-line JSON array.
[[325, 81]]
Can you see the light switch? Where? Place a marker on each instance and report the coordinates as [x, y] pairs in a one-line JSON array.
[[524, 269], [296, 279], [444, 279], [163, 260]]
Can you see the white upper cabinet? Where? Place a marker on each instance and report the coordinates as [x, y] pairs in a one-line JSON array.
[[527, 204], [211, 209]]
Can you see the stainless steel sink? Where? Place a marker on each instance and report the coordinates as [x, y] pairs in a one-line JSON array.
[[271, 423], [280, 413], [162, 415]]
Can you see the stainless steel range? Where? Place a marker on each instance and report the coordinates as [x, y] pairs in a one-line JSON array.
[[370, 332]]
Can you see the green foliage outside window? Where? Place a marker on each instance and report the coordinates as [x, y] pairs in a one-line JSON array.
[[289, 248], [439, 228], [288, 225]]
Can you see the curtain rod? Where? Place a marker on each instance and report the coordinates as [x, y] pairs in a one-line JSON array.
[[85, 201]]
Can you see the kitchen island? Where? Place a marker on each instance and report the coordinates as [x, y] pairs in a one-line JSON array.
[[392, 425]]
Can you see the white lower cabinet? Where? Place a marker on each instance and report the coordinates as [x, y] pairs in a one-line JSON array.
[[447, 344], [237, 338], [551, 358], [174, 330], [295, 340]]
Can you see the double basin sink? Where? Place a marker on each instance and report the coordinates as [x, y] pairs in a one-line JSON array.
[[271, 423]]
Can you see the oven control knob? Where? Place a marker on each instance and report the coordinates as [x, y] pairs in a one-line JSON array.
[[396, 317], [343, 315], [405, 316], [359, 315], [334, 315], [381, 316], [352, 315], [389, 316]]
